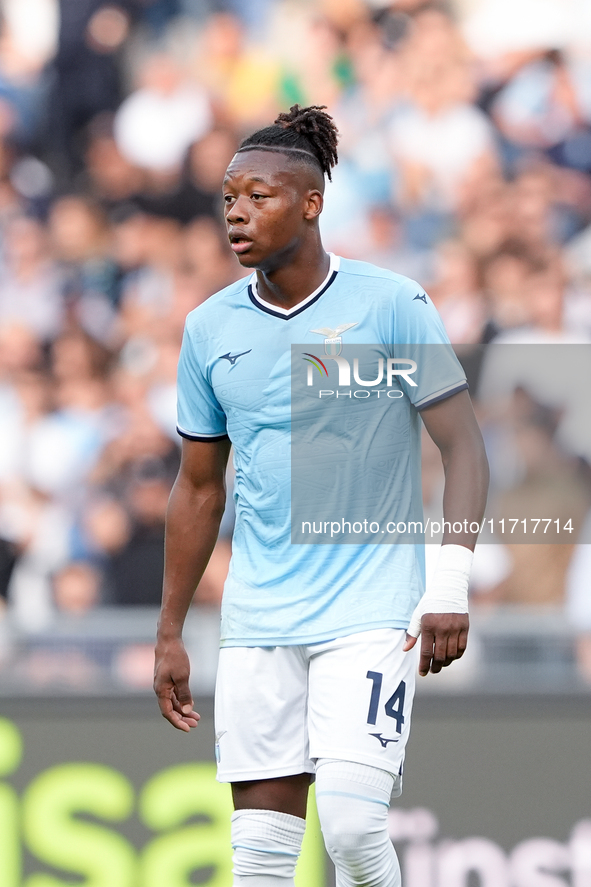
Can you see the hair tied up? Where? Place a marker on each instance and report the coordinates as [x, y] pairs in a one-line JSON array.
[[302, 120], [310, 130]]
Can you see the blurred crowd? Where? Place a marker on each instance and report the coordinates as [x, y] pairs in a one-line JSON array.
[[465, 162]]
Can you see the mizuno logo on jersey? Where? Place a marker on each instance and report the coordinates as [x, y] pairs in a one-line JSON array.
[[232, 358], [421, 297], [383, 741]]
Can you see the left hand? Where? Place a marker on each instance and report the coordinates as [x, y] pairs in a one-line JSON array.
[[444, 637]]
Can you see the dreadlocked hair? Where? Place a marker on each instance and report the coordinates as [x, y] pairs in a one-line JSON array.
[[308, 131]]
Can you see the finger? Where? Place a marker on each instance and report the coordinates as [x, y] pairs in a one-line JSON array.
[[427, 641], [175, 703], [181, 722], [439, 653], [409, 643], [169, 708], [191, 720], [462, 643], [178, 706], [183, 694], [186, 712], [452, 650], [165, 705]]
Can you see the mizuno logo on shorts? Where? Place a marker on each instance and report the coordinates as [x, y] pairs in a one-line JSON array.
[[383, 740]]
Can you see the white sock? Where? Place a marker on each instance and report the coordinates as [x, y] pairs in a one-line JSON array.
[[353, 802], [266, 847]]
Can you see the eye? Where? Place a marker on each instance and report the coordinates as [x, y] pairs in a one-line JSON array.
[[228, 198], [257, 196]]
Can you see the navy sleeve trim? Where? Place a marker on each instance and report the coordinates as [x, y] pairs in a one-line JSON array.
[[443, 396], [202, 437]]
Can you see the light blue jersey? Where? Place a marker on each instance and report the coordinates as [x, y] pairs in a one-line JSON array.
[[234, 380]]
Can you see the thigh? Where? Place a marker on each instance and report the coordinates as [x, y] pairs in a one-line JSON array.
[[361, 690], [286, 794], [261, 713]]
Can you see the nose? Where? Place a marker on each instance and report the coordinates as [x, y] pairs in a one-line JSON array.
[[238, 211]]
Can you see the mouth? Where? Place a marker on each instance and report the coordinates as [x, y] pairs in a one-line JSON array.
[[239, 243]]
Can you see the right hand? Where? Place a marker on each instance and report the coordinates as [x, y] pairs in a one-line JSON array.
[[171, 684]]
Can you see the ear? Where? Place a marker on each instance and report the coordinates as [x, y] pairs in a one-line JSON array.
[[314, 201]]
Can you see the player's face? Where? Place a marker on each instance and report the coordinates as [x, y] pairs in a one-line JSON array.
[[268, 207]]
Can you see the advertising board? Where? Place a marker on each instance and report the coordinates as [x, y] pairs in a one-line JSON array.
[[103, 793]]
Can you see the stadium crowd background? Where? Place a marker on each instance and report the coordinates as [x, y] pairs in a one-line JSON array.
[[465, 162]]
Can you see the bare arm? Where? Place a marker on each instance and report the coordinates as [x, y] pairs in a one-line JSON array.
[[452, 426], [192, 523]]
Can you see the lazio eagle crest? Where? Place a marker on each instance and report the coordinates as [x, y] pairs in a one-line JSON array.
[[333, 343]]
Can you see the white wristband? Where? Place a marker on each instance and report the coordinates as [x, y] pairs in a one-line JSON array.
[[448, 591]]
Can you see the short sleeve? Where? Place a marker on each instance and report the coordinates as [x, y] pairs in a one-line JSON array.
[[200, 416], [433, 372]]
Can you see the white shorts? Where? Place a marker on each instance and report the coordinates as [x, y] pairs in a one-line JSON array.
[[279, 709]]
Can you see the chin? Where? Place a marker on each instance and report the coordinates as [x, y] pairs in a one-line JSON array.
[[247, 261], [250, 260]]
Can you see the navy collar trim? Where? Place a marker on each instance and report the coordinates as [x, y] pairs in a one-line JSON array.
[[283, 314]]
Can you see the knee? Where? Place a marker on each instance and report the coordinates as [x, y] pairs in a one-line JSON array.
[[345, 843], [347, 829], [352, 803], [357, 841]]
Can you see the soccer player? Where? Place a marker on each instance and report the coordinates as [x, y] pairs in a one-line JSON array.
[[316, 673]]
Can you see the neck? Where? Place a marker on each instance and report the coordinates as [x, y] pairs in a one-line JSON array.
[[292, 282]]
